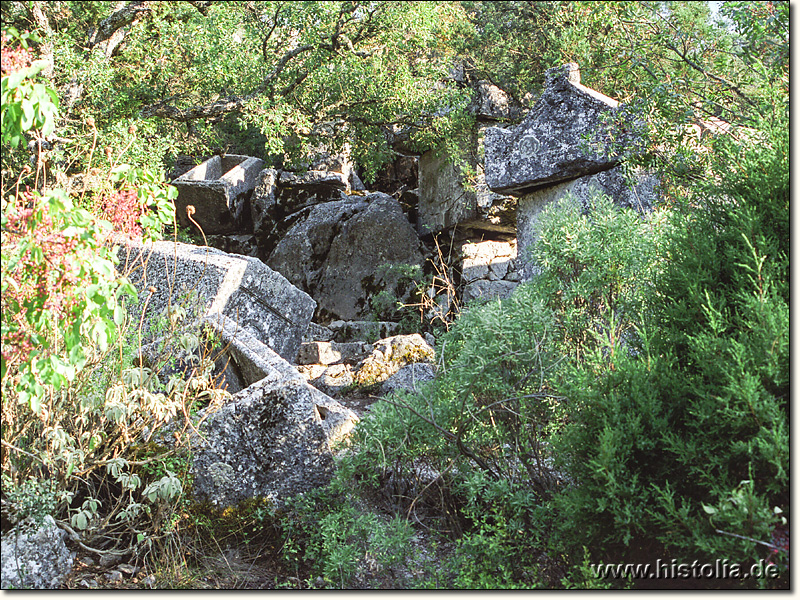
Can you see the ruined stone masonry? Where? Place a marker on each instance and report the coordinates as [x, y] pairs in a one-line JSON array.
[[571, 142]]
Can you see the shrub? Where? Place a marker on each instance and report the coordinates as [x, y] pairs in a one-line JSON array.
[[687, 443]]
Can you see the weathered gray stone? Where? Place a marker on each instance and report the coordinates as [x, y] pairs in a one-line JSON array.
[[344, 252], [219, 189], [35, 556], [483, 289], [639, 191], [314, 179], [273, 440], [356, 184], [492, 103], [205, 281], [252, 359], [263, 200], [363, 259], [409, 377], [302, 252], [447, 197], [318, 333], [329, 379], [444, 200], [568, 133]]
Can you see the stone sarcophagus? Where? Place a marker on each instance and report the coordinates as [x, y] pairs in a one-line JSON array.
[[220, 190]]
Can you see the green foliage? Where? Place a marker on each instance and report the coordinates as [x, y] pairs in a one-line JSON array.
[[598, 263], [27, 102], [339, 540], [700, 417]]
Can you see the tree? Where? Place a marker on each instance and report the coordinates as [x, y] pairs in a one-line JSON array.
[[337, 71]]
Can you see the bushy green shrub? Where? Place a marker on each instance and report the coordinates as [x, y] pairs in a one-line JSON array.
[[689, 438]]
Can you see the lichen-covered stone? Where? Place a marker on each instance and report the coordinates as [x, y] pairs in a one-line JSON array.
[[366, 256], [35, 556], [389, 355], [570, 132], [205, 280], [273, 440], [409, 377]]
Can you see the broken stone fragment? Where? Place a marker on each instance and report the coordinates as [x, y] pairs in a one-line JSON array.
[[273, 440], [35, 555]]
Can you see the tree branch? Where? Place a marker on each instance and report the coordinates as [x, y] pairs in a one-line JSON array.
[[125, 14], [223, 105], [731, 86]]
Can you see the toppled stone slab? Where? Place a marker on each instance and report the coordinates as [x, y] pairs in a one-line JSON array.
[[371, 254], [273, 440], [314, 179], [638, 190], [205, 281], [301, 253], [35, 556], [219, 189], [444, 200], [568, 133]]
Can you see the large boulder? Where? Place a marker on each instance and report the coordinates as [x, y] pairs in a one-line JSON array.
[[301, 253], [203, 281], [35, 556], [283, 198], [345, 252], [273, 440], [369, 256], [570, 132], [219, 189]]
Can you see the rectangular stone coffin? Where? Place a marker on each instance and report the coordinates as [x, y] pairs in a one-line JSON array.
[[257, 299], [220, 190]]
